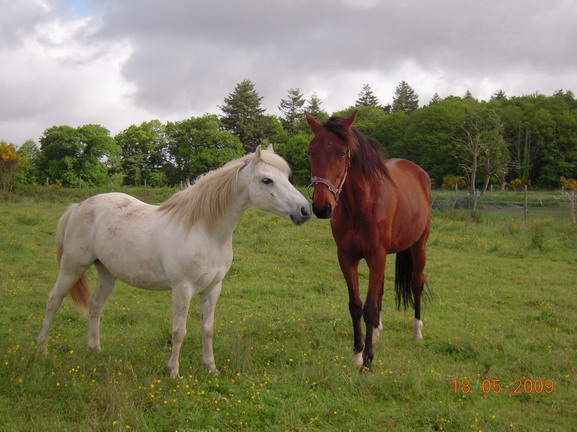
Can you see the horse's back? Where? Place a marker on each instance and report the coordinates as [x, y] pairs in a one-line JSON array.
[[406, 173], [102, 221], [412, 188]]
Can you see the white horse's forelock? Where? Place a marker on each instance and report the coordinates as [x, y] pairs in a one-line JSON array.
[[209, 196]]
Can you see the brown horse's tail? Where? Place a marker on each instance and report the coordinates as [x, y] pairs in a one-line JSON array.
[[404, 279], [80, 293]]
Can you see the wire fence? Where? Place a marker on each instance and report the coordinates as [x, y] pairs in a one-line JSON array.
[[554, 203]]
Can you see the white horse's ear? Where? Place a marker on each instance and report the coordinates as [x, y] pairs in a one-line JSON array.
[[256, 156], [270, 148]]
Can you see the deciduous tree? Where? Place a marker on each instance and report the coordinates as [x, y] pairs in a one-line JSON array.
[[144, 153], [481, 130], [197, 145], [28, 171], [77, 156]]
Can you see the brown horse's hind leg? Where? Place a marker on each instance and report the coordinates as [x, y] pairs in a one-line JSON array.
[[379, 328], [419, 259], [350, 272]]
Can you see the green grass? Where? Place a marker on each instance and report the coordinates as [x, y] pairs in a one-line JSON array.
[[503, 309]]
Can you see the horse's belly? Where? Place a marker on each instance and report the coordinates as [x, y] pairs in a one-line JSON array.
[[202, 269], [139, 274]]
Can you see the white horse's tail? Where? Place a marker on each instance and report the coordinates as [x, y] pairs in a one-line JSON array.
[[80, 293]]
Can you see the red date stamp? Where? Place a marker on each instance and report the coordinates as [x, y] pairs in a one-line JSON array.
[[519, 386]]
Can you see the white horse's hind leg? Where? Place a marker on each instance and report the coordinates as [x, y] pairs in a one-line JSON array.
[[63, 285], [104, 286], [181, 296], [207, 306]]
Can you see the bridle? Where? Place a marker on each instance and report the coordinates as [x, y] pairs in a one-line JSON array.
[[336, 191]]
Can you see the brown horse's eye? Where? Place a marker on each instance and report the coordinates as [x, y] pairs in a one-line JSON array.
[[342, 155]]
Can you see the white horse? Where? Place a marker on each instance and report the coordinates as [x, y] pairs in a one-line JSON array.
[[183, 245]]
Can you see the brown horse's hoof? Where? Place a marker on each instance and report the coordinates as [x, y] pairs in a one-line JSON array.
[[366, 370]]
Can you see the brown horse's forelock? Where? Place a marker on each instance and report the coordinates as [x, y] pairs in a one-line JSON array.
[[366, 154]]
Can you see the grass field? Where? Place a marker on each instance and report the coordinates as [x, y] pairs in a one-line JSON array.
[[500, 349]]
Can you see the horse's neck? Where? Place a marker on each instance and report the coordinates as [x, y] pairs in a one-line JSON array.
[[359, 192], [356, 189], [239, 203]]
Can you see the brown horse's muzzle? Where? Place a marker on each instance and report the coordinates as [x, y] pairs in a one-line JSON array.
[[323, 212], [323, 202], [326, 195]]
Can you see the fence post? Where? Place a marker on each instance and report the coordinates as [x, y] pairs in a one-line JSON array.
[[526, 209], [573, 215], [456, 196]]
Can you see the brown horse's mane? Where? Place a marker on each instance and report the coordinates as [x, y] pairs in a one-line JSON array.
[[366, 154]]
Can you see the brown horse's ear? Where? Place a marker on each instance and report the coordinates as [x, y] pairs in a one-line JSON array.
[[313, 123], [351, 119]]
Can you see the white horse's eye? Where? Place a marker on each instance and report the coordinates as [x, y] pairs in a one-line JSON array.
[[267, 181]]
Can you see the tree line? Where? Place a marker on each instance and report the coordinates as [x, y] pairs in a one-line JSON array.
[[530, 139]]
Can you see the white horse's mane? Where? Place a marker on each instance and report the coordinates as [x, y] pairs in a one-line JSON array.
[[209, 196]]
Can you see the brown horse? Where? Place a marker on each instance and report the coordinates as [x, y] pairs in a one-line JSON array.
[[377, 207]]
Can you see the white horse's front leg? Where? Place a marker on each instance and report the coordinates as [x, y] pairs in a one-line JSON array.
[[207, 306], [181, 296]]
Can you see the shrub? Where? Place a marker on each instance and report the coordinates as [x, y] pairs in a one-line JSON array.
[[568, 183], [450, 181], [9, 162], [517, 184]]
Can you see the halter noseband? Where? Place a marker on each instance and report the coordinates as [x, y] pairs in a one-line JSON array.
[[336, 191]]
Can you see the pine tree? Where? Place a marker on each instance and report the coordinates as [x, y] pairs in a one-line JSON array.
[[436, 98], [499, 95], [314, 108], [293, 111], [366, 97], [243, 115], [405, 98]]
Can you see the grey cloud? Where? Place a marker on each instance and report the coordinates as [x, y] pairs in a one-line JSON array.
[[187, 55]]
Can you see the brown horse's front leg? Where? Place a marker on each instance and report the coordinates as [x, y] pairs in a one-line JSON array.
[[372, 308], [349, 268]]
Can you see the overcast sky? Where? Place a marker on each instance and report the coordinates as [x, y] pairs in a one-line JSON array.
[[123, 62]]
